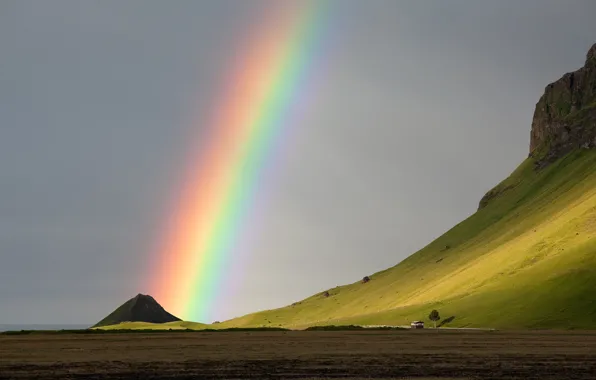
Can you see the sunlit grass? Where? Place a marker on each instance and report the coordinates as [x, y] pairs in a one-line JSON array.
[[178, 325], [527, 259]]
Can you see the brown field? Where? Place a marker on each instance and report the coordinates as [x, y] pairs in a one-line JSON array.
[[301, 354]]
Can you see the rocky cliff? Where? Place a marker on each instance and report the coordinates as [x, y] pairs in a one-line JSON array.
[[564, 120], [565, 115]]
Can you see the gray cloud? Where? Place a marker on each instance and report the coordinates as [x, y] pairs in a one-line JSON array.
[[423, 106]]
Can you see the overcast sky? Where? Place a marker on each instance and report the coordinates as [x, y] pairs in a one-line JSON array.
[[425, 105]]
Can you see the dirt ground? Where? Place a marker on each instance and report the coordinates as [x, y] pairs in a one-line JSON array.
[[301, 354]]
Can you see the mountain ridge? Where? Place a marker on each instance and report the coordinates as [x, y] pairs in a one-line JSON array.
[[525, 259]]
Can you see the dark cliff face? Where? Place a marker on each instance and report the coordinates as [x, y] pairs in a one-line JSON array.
[[565, 116], [564, 120]]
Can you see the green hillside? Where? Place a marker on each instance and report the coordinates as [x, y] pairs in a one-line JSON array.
[[525, 259]]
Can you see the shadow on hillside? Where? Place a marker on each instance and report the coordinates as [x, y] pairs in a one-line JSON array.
[[446, 321]]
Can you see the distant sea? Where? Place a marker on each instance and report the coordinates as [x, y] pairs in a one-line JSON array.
[[42, 327]]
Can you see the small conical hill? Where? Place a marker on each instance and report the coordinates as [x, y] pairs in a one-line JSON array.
[[141, 308]]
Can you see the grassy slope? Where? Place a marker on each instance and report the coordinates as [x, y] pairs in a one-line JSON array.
[[179, 325], [528, 259]]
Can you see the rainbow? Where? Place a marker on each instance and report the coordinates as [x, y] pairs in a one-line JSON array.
[[260, 97]]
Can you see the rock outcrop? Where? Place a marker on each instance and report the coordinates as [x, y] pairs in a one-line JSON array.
[[564, 120], [565, 116], [141, 308]]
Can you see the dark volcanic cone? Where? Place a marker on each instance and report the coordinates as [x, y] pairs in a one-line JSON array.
[[141, 308]]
